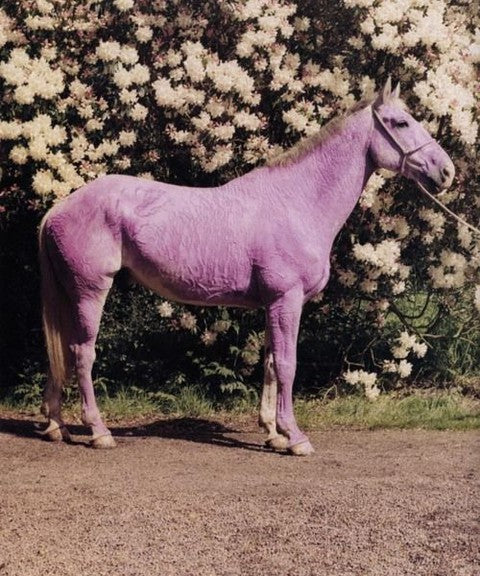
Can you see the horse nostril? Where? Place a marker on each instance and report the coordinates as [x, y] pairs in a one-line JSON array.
[[445, 174]]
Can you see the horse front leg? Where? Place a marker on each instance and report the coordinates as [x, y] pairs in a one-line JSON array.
[[268, 407], [283, 321]]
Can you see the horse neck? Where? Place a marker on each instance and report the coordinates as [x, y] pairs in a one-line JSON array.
[[335, 172]]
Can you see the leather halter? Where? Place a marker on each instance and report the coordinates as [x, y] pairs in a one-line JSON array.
[[406, 154]]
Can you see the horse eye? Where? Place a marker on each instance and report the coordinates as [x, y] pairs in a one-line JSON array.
[[402, 124]]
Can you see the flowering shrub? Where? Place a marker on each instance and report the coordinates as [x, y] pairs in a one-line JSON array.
[[199, 92]]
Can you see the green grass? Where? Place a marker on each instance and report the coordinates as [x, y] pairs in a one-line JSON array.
[[136, 404], [435, 410]]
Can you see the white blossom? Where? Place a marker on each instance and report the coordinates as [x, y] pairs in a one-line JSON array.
[[144, 34], [365, 379], [450, 273], [10, 130], [127, 138], [31, 76], [38, 22], [370, 193], [43, 182], [404, 368], [476, 298], [247, 120], [384, 255], [165, 309], [208, 337], [124, 5], [19, 154], [188, 321], [138, 112], [108, 51]]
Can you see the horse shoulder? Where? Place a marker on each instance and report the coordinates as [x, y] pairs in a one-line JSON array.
[[292, 251]]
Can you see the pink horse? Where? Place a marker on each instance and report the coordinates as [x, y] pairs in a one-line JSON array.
[[261, 240]]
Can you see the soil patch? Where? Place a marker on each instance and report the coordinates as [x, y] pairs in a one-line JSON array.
[[188, 497]]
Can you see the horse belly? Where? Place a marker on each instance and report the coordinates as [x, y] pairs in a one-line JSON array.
[[194, 248], [206, 283]]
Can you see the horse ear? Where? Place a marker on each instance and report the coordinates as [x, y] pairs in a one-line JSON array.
[[396, 91], [387, 90], [385, 94]]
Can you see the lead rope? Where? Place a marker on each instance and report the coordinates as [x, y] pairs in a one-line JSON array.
[[406, 155], [446, 209]]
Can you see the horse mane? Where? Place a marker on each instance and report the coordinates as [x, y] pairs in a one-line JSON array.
[[303, 147]]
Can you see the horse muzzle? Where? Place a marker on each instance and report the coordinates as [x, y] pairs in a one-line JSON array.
[[438, 179], [446, 174]]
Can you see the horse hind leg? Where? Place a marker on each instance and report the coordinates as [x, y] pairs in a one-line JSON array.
[[51, 407], [56, 430], [89, 311], [56, 313]]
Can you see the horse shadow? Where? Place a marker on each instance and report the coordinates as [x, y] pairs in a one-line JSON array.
[[197, 430]]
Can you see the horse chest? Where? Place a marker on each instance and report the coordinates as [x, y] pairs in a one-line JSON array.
[[316, 278]]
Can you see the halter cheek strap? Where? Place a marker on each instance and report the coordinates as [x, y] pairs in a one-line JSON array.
[[406, 154]]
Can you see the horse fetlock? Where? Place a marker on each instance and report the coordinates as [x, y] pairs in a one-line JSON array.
[[56, 431], [298, 443], [99, 430], [51, 404], [91, 417], [277, 443], [45, 409], [285, 427], [267, 421]]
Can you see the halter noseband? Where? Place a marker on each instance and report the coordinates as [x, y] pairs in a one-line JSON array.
[[405, 153]]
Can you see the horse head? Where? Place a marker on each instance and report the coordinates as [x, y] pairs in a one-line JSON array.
[[401, 144]]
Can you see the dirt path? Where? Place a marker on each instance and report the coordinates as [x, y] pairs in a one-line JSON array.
[[177, 500]]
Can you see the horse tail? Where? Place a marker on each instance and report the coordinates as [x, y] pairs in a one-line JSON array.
[[56, 314]]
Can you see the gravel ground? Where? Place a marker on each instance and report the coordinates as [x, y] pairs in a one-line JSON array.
[[200, 498]]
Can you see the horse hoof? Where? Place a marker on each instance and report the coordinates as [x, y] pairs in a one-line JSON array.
[[103, 442], [55, 432], [302, 449], [277, 443]]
